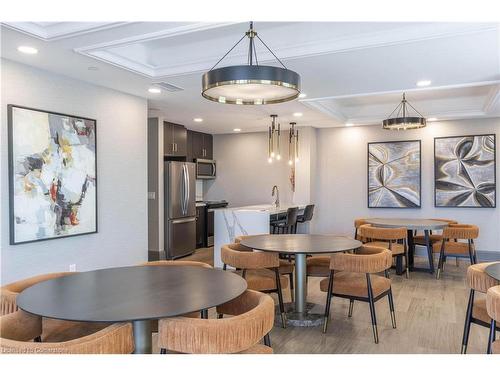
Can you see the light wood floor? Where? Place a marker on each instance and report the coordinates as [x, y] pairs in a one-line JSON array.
[[430, 316]]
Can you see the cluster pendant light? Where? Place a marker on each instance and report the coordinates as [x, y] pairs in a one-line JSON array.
[[403, 119], [293, 144], [274, 147], [251, 84]]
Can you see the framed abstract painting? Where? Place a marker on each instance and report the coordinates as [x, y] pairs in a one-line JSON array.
[[394, 170], [52, 175], [465, 171]]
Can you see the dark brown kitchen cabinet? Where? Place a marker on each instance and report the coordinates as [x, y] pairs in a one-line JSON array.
[[174, 139], [200, 145]]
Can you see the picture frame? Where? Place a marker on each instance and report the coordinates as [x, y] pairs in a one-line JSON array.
[[398, 185], [52, 175]]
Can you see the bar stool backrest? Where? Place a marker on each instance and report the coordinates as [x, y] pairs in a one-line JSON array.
[[370, 232], [308, 213], [291, 216], [461, 232]]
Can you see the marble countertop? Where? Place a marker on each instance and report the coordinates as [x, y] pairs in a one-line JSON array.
[[269, 208]]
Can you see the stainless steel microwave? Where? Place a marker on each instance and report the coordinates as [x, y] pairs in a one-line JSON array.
[[205, 169]]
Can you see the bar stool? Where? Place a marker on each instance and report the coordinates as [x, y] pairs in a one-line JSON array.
[[456, 232], [393, 239], [479, 282], [287, 225], [493, 308], [306, 216]]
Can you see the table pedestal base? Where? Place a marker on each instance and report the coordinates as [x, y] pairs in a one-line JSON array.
[[142, 337], [299, 319]]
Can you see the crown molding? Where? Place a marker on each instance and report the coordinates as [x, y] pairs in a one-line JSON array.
[[61, 30], [318, 47], [492, 102]]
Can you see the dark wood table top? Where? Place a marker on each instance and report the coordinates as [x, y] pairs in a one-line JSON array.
[[131, 293], [493, 270], [300, 243], [412, 224]]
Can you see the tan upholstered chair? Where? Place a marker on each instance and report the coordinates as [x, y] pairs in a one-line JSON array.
[[457, 240], [479, 282], [251, 321], [17, 329], [54, 330], [353, 276], [393, 239], [259, 269], [286, 265], [419, 239], [357, 224], [493, 308]]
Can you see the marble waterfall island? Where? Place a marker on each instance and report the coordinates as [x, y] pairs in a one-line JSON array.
[[231, 222]]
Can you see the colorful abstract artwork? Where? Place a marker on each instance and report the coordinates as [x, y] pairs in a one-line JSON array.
[[394, 174], [52, 175], [464, 169]]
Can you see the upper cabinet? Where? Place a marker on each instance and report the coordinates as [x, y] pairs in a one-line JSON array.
[[174, 139], [200, 146]]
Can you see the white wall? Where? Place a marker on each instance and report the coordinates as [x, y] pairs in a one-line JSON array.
[[244, 176], [341, 191], [122, 174]]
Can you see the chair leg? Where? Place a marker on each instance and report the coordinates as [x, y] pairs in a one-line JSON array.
[[267, 340], [328, 302], [391, 308], [220, 316], [280, 297], [492, 335], [204, 314], [163, 351], [468, 317], [407, 261], [37, 339], [224, 267], [440, 262], [399, 264], [372, 308], [351, 306], [471, 256], [290, 275]]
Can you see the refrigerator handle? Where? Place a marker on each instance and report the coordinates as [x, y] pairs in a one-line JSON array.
[[188, 190], [183, 202]]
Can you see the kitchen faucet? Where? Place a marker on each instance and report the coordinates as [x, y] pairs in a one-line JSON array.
[[277, 190]]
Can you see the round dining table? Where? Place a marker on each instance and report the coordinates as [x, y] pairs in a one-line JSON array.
[[493, 270], [132, 294], [301, 245], [425, 225]]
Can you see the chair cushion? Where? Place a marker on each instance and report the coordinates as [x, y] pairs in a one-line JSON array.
[[258, 349], [54, 330], [396, 248], [452, 247], [286, 267], [479, 309], [264, 279], [318, 266], [354, 284], [420, 239]]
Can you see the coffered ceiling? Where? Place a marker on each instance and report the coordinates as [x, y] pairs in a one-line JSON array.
[[352, 72]]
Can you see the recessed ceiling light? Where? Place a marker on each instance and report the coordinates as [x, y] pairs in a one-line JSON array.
[[349, 124], [198, 119], [237, 130], [154, 90], [432, 119], [423, 83], [302, 95], [28, 50], [298, 114]]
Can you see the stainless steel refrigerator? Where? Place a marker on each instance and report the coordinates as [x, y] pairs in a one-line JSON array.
[[180, 209]]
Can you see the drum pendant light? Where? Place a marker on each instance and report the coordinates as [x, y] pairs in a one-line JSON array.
[[251, 84], [403, 119]]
